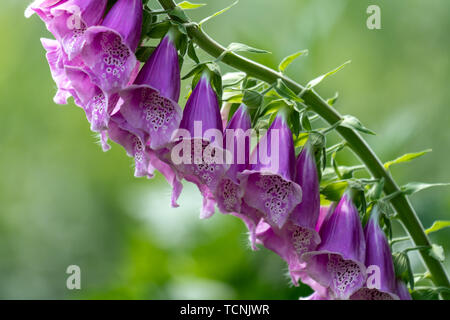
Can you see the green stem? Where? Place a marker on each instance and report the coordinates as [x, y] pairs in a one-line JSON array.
[[401, 203]]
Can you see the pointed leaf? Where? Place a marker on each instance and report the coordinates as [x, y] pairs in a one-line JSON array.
[[218, 13], [289, 59], [240, 47], [232, 78], [191, 52], [186, 5], [319, 79], [414, 187], [438, 225], [353, 123], [335, 190], [406, 158], [283, 90], [333, 99]]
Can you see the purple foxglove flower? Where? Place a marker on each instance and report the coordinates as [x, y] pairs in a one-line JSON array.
[[97, 104], [378, 258], [108, 50], [201, 146], [251, 218], [150, 104], [146, 159], [68, 20], [338, 262], [57, 59], [269, 182], [132, 141], [290, 243], [402, 290], [299, 231], [42, 8], [229, 191]]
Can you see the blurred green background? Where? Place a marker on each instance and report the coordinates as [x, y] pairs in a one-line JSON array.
[[63, 201]]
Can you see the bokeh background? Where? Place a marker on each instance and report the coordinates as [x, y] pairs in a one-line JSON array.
[[63, 201]]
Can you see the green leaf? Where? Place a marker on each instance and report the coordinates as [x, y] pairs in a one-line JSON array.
[[334, 190], [178, 13], [232, 78], [294, 122], [406, 158], [283, 90], [425, 294], [438, 225], [333, 99], [232, 97], [143, 53], [147, 21], [353, 123], [304, 120], [273, 107], [289, 59], [437, 252], [414, 187], [252, 99], [158, 30], [319, 79], [402, 267], [197, 69], [191, 52], [186, 5], [218, 13], [240, 47]]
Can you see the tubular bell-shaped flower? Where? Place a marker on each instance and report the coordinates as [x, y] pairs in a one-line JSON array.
[[68, 20], [299, 234], [132, 140], [150, 104], [198, 157], [57, 59], [229, 191], [290, 243], [269, 182], [146, 160], [108, 49], [97, 105], [381, 284], [236, 141], [338, 262], [42, 8]]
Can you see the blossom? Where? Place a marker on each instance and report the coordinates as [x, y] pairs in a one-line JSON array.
[[96, 103], [378, 261], [146, 160], [236, 141], [108, 49], [132, 140], [338, 261], [299, 234], [150, 104], [269, 181], [68, 20], [42, 8], [57, 60], [198, 155]]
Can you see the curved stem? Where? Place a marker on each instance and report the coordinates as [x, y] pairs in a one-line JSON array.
[[401, 203]]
